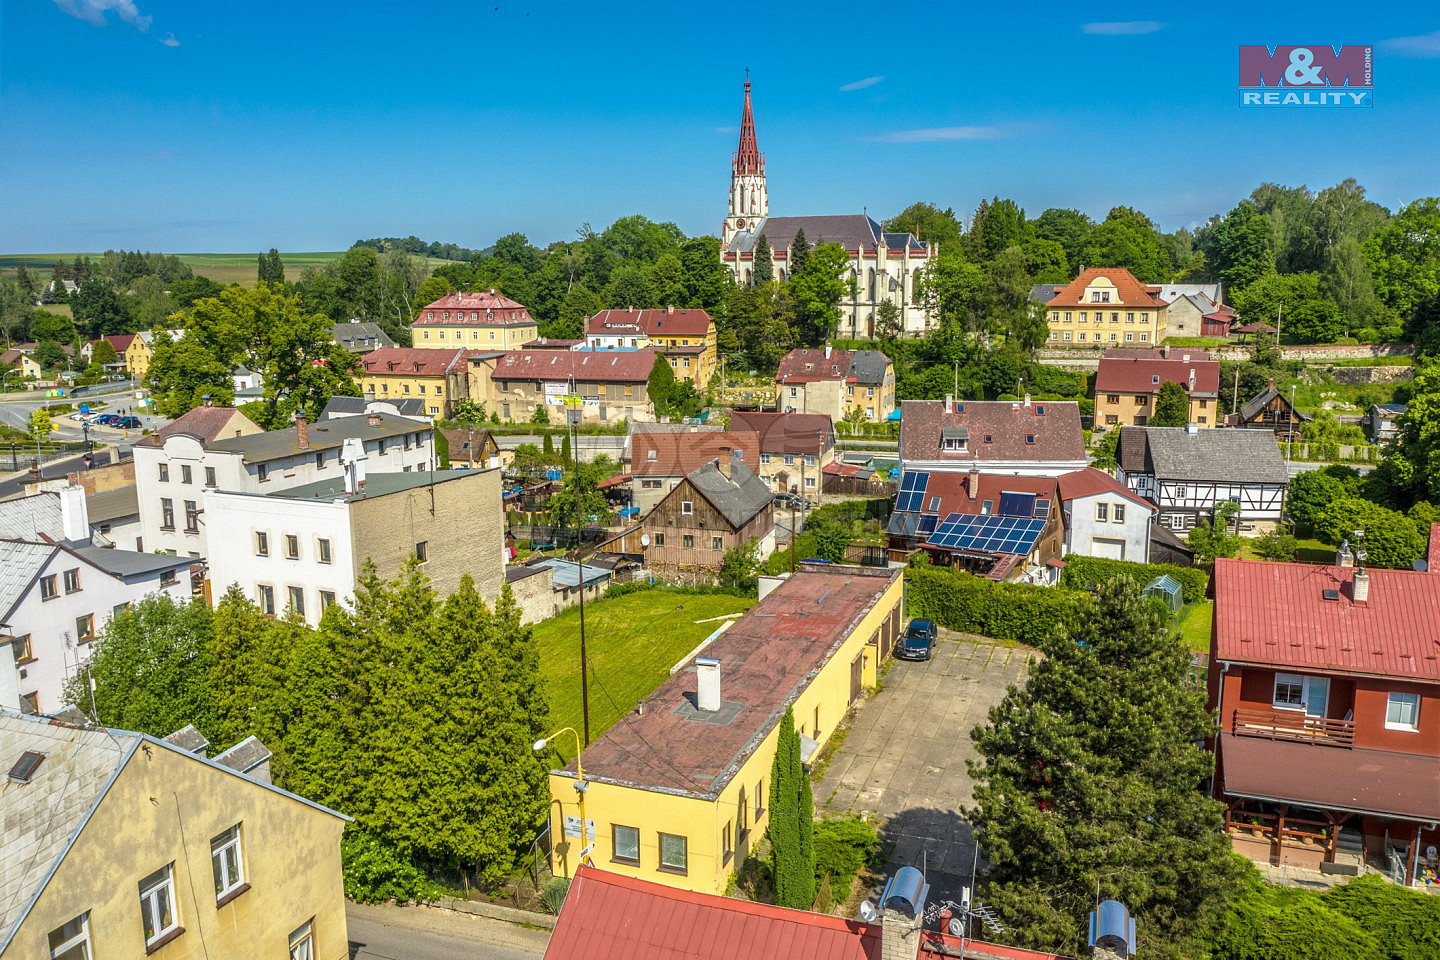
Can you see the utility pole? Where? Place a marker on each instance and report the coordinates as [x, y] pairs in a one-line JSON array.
[[1235, 397], [573, 409]]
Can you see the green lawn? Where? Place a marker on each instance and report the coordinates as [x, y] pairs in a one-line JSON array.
[[631, 642], [1195, 626]]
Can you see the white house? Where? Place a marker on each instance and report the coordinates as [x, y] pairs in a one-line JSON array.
[[1104, 518]]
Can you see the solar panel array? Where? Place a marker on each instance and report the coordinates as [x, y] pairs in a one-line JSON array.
[[912, 492], [981, 534], [927, 523], [1017, 504]]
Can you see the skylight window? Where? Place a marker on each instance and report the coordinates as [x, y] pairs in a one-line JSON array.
[[25, 767]]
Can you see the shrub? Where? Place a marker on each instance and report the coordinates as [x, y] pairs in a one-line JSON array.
[[1081, 573], [553, 896], [842, 846], [1405, 923], [375, 872], [1002, 611]]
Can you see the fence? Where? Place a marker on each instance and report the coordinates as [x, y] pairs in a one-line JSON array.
[[20, 455]]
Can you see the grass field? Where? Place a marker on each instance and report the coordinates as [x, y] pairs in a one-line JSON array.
[[631, 643], [223, 268], [1195, 626]]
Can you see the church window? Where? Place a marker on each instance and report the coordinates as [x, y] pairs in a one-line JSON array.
[[870, 282], [742, 196]]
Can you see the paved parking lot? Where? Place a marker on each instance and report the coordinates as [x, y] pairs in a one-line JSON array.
[[903, 763]]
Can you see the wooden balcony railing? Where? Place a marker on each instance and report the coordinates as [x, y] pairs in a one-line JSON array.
[[1293, 726]]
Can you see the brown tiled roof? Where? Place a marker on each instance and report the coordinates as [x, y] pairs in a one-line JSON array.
[[485, 308], [786, 432], [1132, 294], [764, 662], [1121, 374], [413, 362], [585, 366], [1056, 431], [664, 322], [678, 454], [954, 495], [203, 423], [1087, 482], [803, 365]]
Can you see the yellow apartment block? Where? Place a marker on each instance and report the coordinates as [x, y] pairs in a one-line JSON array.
[[677, 791], [437, 378], [1106, 306]]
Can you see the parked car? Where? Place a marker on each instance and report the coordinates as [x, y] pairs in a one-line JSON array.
[[118, 378], [78, 416], [127, 423], [106, 419], [919, 640]]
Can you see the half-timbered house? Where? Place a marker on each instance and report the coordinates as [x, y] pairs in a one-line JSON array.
[[1188, 473]]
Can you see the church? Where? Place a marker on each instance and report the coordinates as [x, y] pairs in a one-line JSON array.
[[883, 265]]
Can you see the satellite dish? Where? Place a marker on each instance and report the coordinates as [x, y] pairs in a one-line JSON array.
[[957, 927], [644, 539], [867, 912], [1421, 566]]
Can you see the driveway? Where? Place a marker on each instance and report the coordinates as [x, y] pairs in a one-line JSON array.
[[390, 932], [903, 763]]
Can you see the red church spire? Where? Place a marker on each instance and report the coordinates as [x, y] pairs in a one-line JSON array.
[[748, 158]]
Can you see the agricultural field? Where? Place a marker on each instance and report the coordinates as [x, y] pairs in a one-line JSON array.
[[223, 268]]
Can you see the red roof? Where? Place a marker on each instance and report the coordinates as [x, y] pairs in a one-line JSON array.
[[804, 365], [954, 494], [1056, 431], [748, 159], [483, 309], [1121, 374], [584, 366], [666, 322], [1131, 293], [122, 342], [1088, 482], [413, 362], [787, 432], [1277, 614], [607, 916], [667, 454]]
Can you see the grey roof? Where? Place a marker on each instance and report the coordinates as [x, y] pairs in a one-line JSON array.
[[244, 756], [868, 366], [104, 505], [1170, 292], [516, 572], [28, 517], [1240, 456], [189, 739], [1166, 537], [567, 572], [19, 563], [1260, 401], [361, 336], [851, 231], [739, 497], [376, 485], [1045, 292], [126, 563], [356, 406], [324, 435]]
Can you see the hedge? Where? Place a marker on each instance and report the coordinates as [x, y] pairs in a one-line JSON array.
[[1081, 573], [1001, 611]]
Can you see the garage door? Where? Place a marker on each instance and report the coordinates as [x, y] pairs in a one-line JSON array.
[[1109, 549]]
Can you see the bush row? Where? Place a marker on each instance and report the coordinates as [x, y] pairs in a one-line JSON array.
[[1082, 573], [1002, 611]]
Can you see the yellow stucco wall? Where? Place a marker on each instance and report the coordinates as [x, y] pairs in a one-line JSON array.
[[491, 337], [1094, 322], [702, 367], [1126, 407], [165, 807], [703, 822], [137, 358], [435, 391]]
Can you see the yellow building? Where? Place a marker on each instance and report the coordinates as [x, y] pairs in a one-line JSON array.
[[120, 846], [438, 378], [485, 320], [678, 790], [686, 338], [1106, 305]]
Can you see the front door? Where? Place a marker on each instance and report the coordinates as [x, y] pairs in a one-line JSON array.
[[1317, 696], [857, 676]]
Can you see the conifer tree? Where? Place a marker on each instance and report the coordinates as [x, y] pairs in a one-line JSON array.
[[799, 254], [792, 851], [1172, 406], [565, 449], [764, 264]]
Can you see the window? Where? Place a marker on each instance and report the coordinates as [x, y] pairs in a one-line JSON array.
[[1180, 493], [1114, 318], [1084, 316], [1067, 334], [1112, 398], [157, 906], [1289, 691], [1029, 438], [263, 472], [794, 392], [1067, 316], [85, 627], [164, 473], [422, 551], [789, 459], [320, 460], [21, 646], [327, 600], [1129, 337], [323, 549], [809, 459], [167, 514], [72, 580], [1082, 334], [267, 600], [30, 704], [1113, 336], [688, 542], [1144, 337], [1112, 419], [1140, 400], [726, 844], [226, 865], [1119, 513], [297, 601], [209, 476], [72, 941], [1130, 318], [1102, 512], [659, 539], [687, 508], [1402, 711], [168, 578], [759, 798], [987, 507], [262, 543], [302, 942], [809, 483], [673, 856], [292, 546], [192, 517], [625, 844], [765, 458], [717, 543]]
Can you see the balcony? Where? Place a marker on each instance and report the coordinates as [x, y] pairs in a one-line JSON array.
[[1292, 726]]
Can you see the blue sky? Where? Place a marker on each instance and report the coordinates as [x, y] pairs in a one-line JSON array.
[[212, 127]]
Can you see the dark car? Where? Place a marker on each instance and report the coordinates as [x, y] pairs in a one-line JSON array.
[[106, 419], [919, 640], [127, 423]]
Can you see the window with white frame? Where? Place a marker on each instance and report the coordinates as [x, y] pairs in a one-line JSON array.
[[226, 864], [1102, 512], [687, 507], [302, 942], [1119, 512], [72, 941], [1402, 711], [1289, 691], [157, 905]]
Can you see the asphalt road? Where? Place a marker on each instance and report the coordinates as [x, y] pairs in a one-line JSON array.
[[421, 933]]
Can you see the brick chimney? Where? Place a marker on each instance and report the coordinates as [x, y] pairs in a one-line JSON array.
[[723, 462], [373, 419], [302, 431], [1432, 551], [974, 487]]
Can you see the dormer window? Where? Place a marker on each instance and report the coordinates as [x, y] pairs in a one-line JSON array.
[[954, 439], [1029, 438], [1154, 379]]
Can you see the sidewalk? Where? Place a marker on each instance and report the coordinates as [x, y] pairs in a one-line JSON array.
[[453, 924]]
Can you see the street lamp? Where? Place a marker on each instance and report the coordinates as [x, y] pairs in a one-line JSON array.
[[586, 841]]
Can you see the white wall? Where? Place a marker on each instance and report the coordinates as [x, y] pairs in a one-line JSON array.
[[1084, 527]]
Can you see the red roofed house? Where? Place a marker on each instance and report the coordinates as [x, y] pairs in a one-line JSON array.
[[484, 319], [1107, 305], [1034, 439], [1326, 683], [1128, 384], [788, 443], [659, 460], [1105, 518], [614, 385], [610, 916], [842, 384], [438, 378], [686, 338]]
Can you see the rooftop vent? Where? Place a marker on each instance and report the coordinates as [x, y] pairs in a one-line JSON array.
[[25, 767]]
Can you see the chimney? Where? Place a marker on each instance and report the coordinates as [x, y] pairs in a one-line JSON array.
[[949, 403], [1432, 551], [827, 351], [1165, 351], [373, 419], [1027, 399], [726, 460], [1343, 556], [1192, 379], [1360, 587], [74, 518], [1112, 931], [974, 487], [34, 475], [670, 309], [902, 907], [209, 401], [707, 684], [302, 431]]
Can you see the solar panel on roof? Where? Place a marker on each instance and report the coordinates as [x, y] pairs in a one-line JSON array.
[[987, 534], [1017, 504], [912, 492], [1042, 507], [927, 523]]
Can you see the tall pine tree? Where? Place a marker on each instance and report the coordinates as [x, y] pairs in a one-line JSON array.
[[764, 264], [1094, 772], [792, 850], [799, 254]]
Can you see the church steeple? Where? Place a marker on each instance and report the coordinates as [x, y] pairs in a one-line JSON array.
[[749, 200]]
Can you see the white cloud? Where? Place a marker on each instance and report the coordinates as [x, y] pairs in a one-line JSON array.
[[170, 40], [860, 84], [1425, 45], [938, 134], [1121, 28], [93, 12]]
